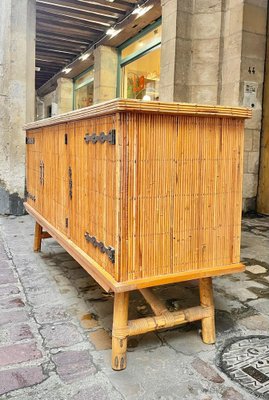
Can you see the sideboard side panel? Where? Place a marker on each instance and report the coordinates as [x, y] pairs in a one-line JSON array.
[[183, 194]]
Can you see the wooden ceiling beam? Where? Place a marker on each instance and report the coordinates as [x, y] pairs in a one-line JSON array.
[[115, 5], [54, 49], [54, 44], [60, 51], [100, 10], [51, 60], [64, 39], [75, 15], [56, 60], [43, 72], [67, 31], [43, 66], [40, 76], [62, 18], [62, 22], [60, 55]]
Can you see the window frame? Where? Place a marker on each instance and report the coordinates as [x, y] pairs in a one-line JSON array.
[[75, 88], [122, 62]]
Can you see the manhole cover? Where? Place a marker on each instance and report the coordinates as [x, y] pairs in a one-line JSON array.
[[246, 361]]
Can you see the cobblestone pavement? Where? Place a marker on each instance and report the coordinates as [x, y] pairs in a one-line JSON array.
[[55, 327]]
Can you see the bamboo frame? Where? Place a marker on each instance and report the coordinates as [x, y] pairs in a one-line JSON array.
[[119, 331], [163, 319], [207, 302], [124, 105], [39, 235]]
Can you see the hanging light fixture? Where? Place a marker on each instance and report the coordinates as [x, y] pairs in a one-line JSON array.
[[67, 70], [139, 11], [113, 32], [84, 56]]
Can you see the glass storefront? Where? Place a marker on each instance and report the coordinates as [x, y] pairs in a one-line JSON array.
[[83, 89], [140, 66]]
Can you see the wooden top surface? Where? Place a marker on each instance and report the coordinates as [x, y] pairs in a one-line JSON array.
[[124, 105]]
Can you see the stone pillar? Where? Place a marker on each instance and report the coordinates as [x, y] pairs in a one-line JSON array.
[[190, 51], [105, 73], [176, 50], [64, 95], [17, 97], [205, 67], [230, 53]]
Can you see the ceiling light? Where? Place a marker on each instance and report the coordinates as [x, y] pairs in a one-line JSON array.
[[37, 69], [139, 11], [67, 70], [113, 32], [84, 57]]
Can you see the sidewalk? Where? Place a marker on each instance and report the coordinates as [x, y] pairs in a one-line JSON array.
[[55, 326]]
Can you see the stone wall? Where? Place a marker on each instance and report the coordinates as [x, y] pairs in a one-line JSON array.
[[17, 97], [253, 56]]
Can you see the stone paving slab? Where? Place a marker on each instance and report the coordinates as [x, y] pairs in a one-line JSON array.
[[55, 327]]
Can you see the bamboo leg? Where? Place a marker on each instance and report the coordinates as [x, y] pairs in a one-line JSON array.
[[120, 331], [206, 299], [156, 304], [38, 237]]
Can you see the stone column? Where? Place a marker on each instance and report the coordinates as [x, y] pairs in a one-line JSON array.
[[64, 95], [17, 97], [176, 50], [205, 67], [190, 51], [105, 73]]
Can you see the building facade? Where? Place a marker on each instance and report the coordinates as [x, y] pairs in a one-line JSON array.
[[196, 51]]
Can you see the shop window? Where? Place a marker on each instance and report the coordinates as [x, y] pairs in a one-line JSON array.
[[83, 89], [140, 66], [141, 77]]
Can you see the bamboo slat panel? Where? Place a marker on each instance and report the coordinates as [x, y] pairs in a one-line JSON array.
[[183, 194], [93, 203], [61, 202]]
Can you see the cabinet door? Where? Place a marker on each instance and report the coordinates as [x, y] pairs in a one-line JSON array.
[[33, 150], [62, 189], [94, 199], [49, 163]]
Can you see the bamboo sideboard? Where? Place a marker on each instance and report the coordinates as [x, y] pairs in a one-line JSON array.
[[142, 194]]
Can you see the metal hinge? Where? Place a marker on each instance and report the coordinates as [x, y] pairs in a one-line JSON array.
[[101, 138], [108, 250], [30, 140], [41, 173], [65, 138], [30, 196], [70, 182]]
